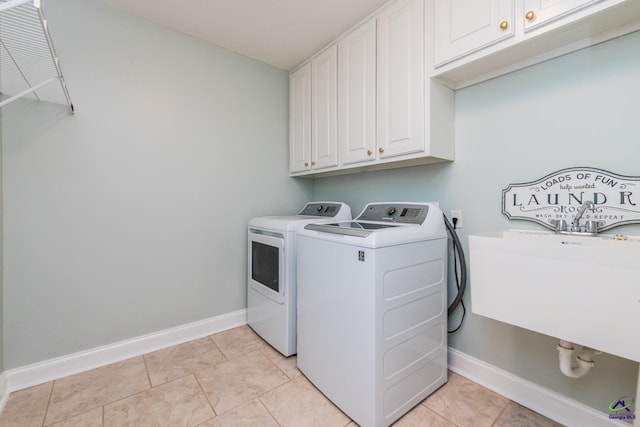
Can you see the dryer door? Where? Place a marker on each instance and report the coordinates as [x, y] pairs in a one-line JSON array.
[[266, 264]]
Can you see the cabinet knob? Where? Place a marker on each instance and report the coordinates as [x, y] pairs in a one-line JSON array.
[[306, 164], [313, 163], [530, 15], [369, 152], [504, 25], [381, 150]]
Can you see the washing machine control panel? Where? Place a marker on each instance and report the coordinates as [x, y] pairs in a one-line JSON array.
[[404, 213]]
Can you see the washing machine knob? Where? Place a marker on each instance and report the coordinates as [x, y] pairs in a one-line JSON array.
[[319, 208], [391, 210]]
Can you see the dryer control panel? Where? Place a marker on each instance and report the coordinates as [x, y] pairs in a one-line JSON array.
[[403, 213], [321, 209]]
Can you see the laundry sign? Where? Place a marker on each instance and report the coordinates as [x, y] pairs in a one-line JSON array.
[[560, 195]]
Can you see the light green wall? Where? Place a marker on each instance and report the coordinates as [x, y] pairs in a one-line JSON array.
[[577, 110], [130, 217]]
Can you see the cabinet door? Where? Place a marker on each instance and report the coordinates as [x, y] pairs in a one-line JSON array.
[[324, 109], [464, 26], [357, 95], [401, 78], [300, 119], [540, 12]]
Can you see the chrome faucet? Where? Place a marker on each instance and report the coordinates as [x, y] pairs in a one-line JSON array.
[[575, 224]]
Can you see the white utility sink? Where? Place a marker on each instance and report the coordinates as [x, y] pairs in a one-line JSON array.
[[581, 289]]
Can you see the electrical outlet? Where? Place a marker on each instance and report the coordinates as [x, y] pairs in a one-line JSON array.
[[457, 214]]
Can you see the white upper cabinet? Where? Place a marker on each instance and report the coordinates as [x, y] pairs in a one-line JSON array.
[[474, 40], [388, 113], [401, 78], [300, 119], [357, 95], [313, 114], [539, 12], [324, 109], [464, 26]]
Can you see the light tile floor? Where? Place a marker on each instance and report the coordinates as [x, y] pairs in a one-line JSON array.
[[232, 378]]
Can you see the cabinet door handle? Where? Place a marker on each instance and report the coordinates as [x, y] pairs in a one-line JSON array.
[[381, 150], [530, 15], [504, 25], [369, 152], [306, 164], [313, 163]]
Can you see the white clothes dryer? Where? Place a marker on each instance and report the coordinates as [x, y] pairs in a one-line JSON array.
[[372, 313], [271, 276]]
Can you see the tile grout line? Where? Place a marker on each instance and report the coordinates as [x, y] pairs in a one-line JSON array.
[[434, 411], [226, 359], [267, 409], [269, 391], [500, 414], [146, 370], [277, 367], [289, 380], [275, 388], [215, 413], [44, 417]]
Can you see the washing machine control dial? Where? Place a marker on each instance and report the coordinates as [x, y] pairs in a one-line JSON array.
[[391, 211]]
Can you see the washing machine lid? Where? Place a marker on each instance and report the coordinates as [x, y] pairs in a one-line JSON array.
[[350, 228], [383, 224]]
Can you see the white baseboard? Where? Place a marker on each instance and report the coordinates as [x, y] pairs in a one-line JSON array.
[[4, 390], [48, 370], [549, 403]]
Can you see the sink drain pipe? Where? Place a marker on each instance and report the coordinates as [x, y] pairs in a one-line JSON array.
[[583, 362]]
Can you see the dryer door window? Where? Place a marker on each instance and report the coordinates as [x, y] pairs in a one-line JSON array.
[[266, 264], [265, 267]]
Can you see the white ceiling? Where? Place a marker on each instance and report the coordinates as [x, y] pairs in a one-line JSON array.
[[281, 33]]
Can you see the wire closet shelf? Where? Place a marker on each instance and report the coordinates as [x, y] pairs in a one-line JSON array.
[[29, 63]]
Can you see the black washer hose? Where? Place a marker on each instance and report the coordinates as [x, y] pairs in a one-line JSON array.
[[457, 247]]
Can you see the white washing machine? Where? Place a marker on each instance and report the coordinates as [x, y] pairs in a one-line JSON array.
[[271, 278], [372, 313]]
